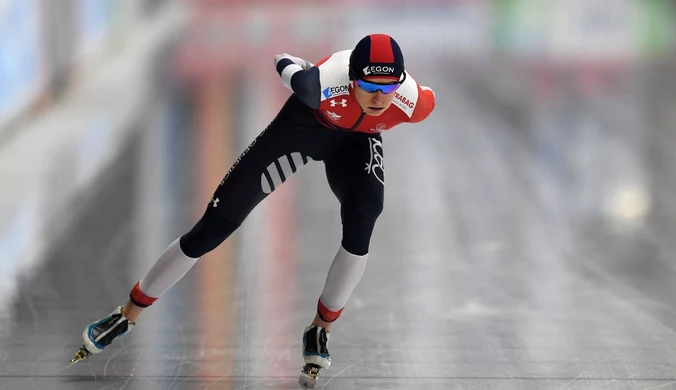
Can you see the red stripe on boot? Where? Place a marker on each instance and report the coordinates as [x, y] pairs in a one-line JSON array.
[[138, 297], [326, 314]]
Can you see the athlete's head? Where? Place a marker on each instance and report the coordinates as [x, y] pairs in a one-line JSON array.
[[377, 69]]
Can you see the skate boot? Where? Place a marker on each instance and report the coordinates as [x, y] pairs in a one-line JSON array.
[[101, 333], [315, 353]]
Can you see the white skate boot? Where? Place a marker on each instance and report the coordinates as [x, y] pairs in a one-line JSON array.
[[101, 333], [315, 353]]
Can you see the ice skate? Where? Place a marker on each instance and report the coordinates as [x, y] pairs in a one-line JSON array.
[[315, 353], [101, 333]]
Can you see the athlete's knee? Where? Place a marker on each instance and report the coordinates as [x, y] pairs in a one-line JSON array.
[[364, 210], [359, 220], [207, 234]]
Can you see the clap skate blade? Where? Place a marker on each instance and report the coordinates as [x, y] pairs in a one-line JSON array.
[[82, 354], [308, 377]]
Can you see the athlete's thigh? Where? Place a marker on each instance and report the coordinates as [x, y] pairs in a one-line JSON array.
[[263, 166], [355, 171]]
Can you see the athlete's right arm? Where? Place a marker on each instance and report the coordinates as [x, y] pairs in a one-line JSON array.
[[301, 77], [425, 104]]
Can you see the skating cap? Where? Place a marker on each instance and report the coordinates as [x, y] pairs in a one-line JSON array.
[[377, 55]]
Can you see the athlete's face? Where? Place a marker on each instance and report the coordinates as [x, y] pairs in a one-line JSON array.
[[374, 103]]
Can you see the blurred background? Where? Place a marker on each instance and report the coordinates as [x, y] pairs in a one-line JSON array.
[[528, 232]]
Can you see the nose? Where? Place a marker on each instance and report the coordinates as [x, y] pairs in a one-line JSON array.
[[378, 97]]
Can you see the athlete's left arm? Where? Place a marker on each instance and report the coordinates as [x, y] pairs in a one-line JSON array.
[[300, 76], [425, 104]]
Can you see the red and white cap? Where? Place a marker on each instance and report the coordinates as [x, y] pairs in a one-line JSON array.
[[377, 55]]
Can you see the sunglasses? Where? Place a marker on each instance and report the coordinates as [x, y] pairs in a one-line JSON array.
[[373, 87]]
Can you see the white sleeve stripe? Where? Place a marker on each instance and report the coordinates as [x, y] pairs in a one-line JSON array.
[[288, 72]]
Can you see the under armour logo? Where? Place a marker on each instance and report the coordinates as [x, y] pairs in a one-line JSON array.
[[215, 202], [343, 102]]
